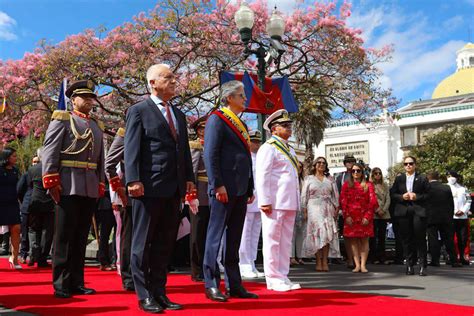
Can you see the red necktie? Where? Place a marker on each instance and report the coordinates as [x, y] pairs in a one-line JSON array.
[[170, 121]]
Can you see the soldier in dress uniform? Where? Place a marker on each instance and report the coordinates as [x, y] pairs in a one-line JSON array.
[[253, 222], [115, 156], [200, 220], [278, 197], [73, 172]]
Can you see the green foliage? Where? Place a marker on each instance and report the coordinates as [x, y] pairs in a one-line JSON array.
[[449, 149], [26, 149]]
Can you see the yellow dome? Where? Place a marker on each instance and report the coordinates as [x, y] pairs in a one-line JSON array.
[[468, 46], [461, 82]]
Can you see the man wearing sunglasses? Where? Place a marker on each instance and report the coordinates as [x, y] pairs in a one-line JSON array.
[[410, 193]]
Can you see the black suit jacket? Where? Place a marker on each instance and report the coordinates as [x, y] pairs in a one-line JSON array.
[[420, 187], [228, 162], [151, 154], [440, 205]]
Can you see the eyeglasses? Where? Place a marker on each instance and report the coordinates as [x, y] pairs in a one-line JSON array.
[[242, 95], [356, 171], [320, 162], [408, 163], [377, 173]]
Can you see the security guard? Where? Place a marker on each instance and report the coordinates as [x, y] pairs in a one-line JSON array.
[[200, 220], [73, 172], [278, 193]]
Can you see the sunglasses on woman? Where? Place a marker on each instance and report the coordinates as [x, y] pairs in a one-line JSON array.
[[356, 171], [377, 173]]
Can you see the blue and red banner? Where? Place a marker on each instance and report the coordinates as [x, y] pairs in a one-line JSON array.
[[275, 96]]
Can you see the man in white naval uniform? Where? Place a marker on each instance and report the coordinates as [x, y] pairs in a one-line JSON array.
[[253, 222], [278, 198]]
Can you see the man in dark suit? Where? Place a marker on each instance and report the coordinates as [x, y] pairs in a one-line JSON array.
[[229, 168], [440, 207], [41, 216], [410, 193], [158, 173]]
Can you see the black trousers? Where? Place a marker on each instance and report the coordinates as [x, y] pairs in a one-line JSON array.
[[226, 219], [24, 242], [413, 236], [377, 243], [72, 222], [155, 227], [446, 232], [199, 223], [40, 231], [105, 223], [126, 246], [398, 239], [460, 230]]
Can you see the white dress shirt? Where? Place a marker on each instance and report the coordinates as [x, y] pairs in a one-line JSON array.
[[162, 109], [410, 180]]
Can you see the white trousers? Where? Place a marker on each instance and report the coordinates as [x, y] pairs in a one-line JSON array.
[[277, 232], [249, 242]]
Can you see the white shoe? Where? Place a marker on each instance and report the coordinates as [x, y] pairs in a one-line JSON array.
[[279, 287], [293, 286], [258, 274], [249, 275]]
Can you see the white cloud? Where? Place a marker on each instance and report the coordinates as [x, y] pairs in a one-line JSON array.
[[453, 23], [418, 58], [6, 25]]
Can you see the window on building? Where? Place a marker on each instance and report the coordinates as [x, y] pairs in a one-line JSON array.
[[471, 61], [409, 136]]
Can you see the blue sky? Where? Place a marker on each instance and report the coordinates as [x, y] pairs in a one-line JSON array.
[[425, 33]]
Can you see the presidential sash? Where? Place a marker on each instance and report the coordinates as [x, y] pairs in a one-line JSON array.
[[285, 150], [235, 125]]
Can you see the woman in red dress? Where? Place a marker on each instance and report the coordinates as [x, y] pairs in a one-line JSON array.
[[359, 202]]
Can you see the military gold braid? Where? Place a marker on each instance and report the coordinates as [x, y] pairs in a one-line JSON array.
[[77, 136]]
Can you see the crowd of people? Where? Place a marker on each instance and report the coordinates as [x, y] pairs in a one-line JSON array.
[[236, 189]]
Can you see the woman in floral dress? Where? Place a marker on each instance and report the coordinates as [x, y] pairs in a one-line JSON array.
[[358, 202], [320, 205]]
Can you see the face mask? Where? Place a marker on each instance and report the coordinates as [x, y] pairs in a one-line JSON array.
[[452, 180]]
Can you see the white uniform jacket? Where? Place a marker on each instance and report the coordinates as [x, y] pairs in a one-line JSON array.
[[253, 207], [462, 200], [277, 180]]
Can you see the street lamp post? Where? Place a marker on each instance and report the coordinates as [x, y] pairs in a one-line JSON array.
[[266, 51]]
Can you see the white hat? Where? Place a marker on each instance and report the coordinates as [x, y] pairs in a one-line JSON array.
[[279, 116]]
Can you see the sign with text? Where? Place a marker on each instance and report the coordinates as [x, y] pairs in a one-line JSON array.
[[335, 153]]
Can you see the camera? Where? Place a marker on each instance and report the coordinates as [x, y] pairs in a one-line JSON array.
[[277, 45]]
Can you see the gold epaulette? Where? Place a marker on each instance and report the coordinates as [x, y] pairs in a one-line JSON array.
[[61, 115], [121, 132], [195, 144], [100, 124]]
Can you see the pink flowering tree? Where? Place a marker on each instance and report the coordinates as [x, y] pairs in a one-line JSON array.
[[325, 61]]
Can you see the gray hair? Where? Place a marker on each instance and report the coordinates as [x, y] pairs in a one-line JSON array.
[[229, 88], [150, 73], [39, 152]]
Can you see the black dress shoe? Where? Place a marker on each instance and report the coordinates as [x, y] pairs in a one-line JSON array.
[[165, 302], [434, 264], [423, 271], [240, 292], [197, 278], [149, 305], [410, 270], [456, 265], [464, 262], [62, 294], [43, 264], [214, 294], [81, 290]]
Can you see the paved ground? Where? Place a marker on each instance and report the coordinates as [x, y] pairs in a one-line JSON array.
[[443, 284]]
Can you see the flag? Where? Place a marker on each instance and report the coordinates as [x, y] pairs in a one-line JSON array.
[[3, 107], [276, 95], [62, 100]]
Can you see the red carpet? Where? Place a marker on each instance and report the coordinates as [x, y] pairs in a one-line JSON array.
[[30, 290]]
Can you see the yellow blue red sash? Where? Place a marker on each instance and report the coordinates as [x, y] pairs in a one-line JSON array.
[[285, 150], [235, 124]]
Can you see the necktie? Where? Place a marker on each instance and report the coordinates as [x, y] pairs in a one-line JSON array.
[[169, 118]]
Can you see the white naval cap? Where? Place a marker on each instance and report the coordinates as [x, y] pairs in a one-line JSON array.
[[279, 116]]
